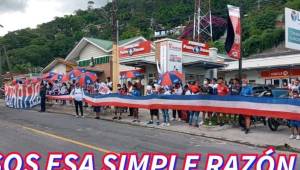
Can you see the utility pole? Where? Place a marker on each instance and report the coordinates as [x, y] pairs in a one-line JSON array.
[[1, 63], [1, 79], [115, 64], [241, 47], [6, 58]]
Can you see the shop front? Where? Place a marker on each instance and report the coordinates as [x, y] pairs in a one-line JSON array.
[[195, 60], [280, 77], [144, 60], [278, 71], [96, 55]]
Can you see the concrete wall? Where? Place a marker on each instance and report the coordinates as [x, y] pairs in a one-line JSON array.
[[106, 71], [90, 51], [251, 75], [60, 68], [199, 74]]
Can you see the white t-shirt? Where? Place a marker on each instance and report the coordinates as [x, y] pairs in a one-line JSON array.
[[77, 94], [167, 92], [188, 92], [63, 90], [178, 91]]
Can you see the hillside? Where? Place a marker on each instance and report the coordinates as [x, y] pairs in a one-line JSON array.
[[30, 48]]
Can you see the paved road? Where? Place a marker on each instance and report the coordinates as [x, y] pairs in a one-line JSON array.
[[25, 131]]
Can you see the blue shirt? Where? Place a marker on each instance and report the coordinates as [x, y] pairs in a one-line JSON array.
[[136, 93], [246, 91]]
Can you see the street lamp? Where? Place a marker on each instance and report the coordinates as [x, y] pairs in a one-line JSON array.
[[1, 79]]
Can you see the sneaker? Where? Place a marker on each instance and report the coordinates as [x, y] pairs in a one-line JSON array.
[[163, 124], [119, 118], [97, 117], [168, 124], [292, 137], [201, 123], [134, 120], [115, 118], [173, 119], [77, 116], [157, 123], [82, 116], [298, 137], [150, 122], [247, 131]]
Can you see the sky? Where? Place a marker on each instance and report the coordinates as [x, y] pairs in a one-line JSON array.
[[18, 14]]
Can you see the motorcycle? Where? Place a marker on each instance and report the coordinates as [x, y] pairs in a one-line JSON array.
[[274, 123]]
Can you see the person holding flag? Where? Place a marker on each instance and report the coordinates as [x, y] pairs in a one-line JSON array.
[[246, 91], [78, 94], [43, 92]]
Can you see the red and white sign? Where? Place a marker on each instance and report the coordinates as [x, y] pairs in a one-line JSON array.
[[135, 49], [280, 73], [195, 48]]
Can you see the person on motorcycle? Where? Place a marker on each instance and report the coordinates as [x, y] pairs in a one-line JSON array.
[[246, 91]]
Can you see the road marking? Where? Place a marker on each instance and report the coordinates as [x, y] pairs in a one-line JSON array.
[[68, 140]]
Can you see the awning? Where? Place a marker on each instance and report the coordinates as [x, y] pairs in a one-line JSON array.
[[205, 64], [138, 63]]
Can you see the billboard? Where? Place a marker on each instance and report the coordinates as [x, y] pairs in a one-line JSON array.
[[292, 29], [135, 49], [195, 48], [233, 40]]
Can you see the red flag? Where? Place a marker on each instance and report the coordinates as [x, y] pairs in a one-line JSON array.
[[233, 40]]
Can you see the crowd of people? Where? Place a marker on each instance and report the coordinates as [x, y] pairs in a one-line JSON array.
[[193, 118], [208, 87]]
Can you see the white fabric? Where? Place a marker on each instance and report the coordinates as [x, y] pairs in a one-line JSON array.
[[77, 94]]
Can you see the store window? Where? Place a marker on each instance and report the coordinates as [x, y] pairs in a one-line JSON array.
[[276, 83], [194, 77]]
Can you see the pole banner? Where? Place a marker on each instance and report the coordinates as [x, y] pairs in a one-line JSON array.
[[233, 40], [22, 96], [284, 108]]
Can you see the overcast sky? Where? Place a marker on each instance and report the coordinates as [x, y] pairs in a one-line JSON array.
[[17, 14]]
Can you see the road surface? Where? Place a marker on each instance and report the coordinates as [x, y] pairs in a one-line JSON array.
[[25, 131]]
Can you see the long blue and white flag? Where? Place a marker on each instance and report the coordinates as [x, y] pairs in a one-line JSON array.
[[254, 106]]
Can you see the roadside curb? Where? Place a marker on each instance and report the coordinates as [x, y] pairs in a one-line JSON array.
[[284, 148]]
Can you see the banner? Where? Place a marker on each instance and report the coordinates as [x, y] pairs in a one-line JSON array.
[[233, 40], [280, 73], [135, 49], [174, 56], [292, 29], [195, 48], [22, 96], [252, 106]]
